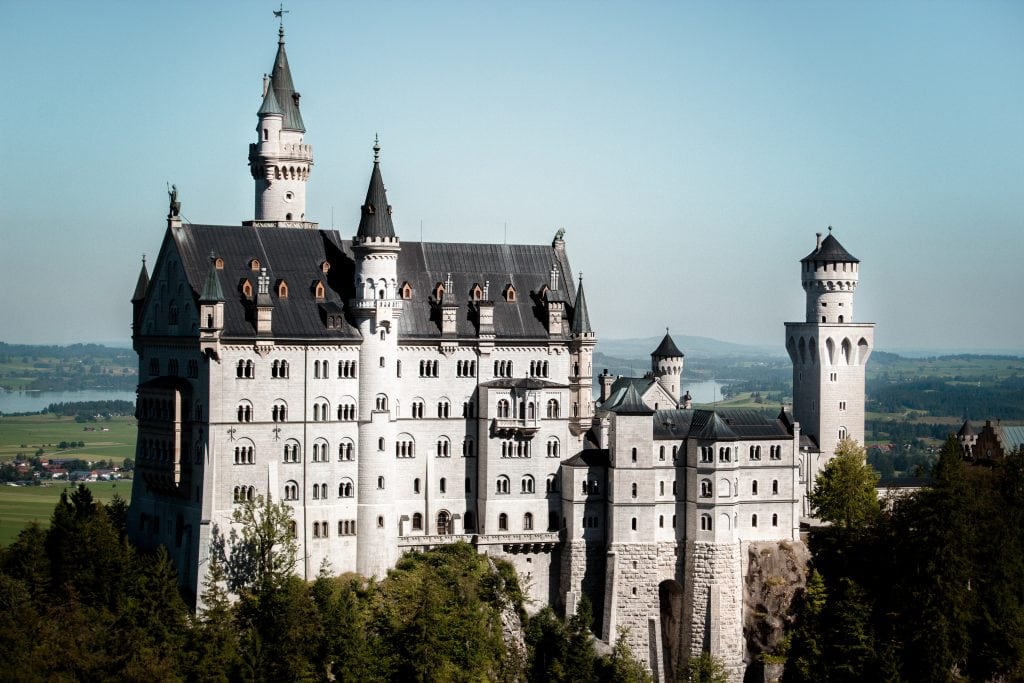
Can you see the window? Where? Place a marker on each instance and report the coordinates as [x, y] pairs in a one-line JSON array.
[[632, 455], [443, 485], [705, 488], [279, 412], [842, 405], [443, 447], [528, 521], [347, 369], [279, 369], [244, 455], [282, 289], [172, 367], [444, 523], [346, 451], [510, 293], [502, 522], [346, 412], [291, 491], [707, 453], [775, 452], [468, 448], [661, 521], [318, 291], [755, 452], [705, 522], [465, 368], [417, 522], [502, 368], [775, 486], [320, 453], [753, 520], [428, 368], [406, 291], [405, 447], [527, 484], [467, 522], [552, 408], [381, 402], [244, 412], [380, 521], [380, 483], [842, 433], [502, 485], [753, 487], [417, 408], [552, 521], [345, 488], [503, 408], [632, 524], [539, 368], [661, 453], [551, 484], [633, 490], [661, 488], [291, 451], [380, 444], [243, 370], [553, 448], [775, 520], [725, 454], [444, 409], [193, 369]]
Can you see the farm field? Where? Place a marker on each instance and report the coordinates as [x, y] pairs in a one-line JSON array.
[[20, 505], [27, 434]]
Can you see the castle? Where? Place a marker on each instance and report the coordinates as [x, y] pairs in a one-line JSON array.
[[402, 395]]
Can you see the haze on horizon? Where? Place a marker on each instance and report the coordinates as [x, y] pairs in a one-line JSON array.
[[690, 150]]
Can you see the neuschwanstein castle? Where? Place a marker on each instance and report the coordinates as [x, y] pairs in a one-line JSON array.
[[402, 395]]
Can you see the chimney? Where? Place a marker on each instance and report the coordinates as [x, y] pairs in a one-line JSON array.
[[606, 385], [818, 247]]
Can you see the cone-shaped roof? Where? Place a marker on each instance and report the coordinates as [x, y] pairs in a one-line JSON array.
[[142, 284], [284, 90], [376, 212], [830, 250], [212, 291], [667, 348], [966, 429], [270, 104], [580, 316]]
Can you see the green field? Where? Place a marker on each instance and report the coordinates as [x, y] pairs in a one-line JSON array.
[[20, 505], [27, 434]]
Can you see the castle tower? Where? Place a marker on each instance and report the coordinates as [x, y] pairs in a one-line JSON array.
[[280, 161], [829, 352], [581, 375], [667, 366], [377, 308]]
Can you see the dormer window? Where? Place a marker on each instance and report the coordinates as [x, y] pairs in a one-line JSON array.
[[246, 288], [438, 291], [510, 293], [254, 265], [325, 267], [318, 290], [406, 291], [476, 293], [282, 289], [218, 263]]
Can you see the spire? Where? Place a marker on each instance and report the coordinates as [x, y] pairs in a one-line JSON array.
[[376, 212], [142, 284], [580, 316], [270, 104], [212, 291], [284, 90], [667, 348]]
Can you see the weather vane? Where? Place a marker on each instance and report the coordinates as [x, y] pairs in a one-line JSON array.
[[279, 13]]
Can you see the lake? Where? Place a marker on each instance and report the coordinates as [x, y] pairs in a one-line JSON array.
[[707, 391], [34, 401]]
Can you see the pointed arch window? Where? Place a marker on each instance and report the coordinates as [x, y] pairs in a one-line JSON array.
[[218, 263], [246, 288], [406, 291], [510, 293], [318, 290], [476, 293], [438, 292], [254, 265], [282, 289]]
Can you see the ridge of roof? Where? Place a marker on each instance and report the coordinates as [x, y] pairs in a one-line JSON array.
[[580, 315], [375, 219], [667, 348], [631, 403], [830, 250]]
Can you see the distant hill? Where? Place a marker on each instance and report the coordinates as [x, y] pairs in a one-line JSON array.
[[704, 347]]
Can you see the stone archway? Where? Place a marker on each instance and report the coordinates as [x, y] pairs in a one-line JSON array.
[[670, 598]]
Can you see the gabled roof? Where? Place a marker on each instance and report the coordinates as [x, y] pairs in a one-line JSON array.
[[830, 250], [296, 256], [284, 90], [142, 284], [375, 220], [580, 316], [1011, 437], [667, 349]]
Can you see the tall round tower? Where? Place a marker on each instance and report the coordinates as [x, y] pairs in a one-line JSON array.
[[829, 276], [667, 366], [280, 161], [377, 308]]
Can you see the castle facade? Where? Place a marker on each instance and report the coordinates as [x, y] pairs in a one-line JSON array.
[[403, 395]]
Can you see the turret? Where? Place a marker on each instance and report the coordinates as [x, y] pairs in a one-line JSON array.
[[581, 378], [377, 308], [829, 276], [211, 311], [280, 161], [667, 366], [139, 298]]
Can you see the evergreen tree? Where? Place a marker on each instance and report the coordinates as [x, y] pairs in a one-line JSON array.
[[844, 492]]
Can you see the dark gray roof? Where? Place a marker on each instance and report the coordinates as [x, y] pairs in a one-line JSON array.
[[270, 104], [966, 429], [667, 349], [284, 90], [627, 402], [375, 220], [142, 284], [212, 291], [296, 256], [580, 316], [594, 457], [722, 424], [830, 250]]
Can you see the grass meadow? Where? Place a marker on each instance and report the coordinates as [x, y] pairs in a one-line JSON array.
[[20, 505]]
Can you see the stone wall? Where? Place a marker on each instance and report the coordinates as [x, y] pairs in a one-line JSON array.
[[713, 604]]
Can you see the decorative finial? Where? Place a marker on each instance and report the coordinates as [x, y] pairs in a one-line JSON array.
[[279, 13], [143, 259], [581, 277], [376, 148], [830, 229], [666, 329]]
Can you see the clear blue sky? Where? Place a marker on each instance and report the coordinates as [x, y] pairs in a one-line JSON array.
[[690, 150]]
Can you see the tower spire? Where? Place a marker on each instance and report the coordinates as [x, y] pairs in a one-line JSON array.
[[580, 315], [375, 220]]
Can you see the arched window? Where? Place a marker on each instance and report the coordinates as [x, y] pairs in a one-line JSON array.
[[633, 490], [244, 412], [705, 522], [705, 488], [444, 523], [502, 522], [528, 521], [345, 488], [444, 408], [775, 520], [753, 520], [381, 402], [527, 484], [502, 484], [633, 524], [775, 486], [661, 453], [279, 412], [467, 522], [551, 484], [632, 455], [753, 487], [503, 408], [417, 521], [292, 451], [553, 448], [442, 485], [346, 450], [291, 491], [552, 411], [443, 447], [380, 444], [380, 482]]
